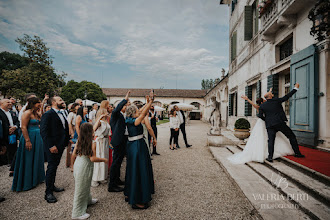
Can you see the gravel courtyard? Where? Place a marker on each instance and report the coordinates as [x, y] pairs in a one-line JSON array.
[[189, 183]]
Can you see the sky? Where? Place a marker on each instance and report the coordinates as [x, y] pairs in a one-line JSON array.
[[125, 44]]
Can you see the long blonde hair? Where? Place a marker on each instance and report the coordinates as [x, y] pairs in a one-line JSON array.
[[103, 108]]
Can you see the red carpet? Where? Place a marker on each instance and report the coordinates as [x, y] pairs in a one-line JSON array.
[[315, 159]]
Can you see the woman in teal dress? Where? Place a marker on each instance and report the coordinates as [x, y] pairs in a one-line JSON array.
[[29, 167], [139, 182], [80, 119]]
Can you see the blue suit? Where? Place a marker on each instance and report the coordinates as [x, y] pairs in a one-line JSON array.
[[118, 141]]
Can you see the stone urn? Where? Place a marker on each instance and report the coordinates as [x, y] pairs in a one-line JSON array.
[[242, 134], [242, 129]]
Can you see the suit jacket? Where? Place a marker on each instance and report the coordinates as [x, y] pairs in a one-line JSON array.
[[52, 131], [118, 124], [272, 111], [184, 117], [5, 129]]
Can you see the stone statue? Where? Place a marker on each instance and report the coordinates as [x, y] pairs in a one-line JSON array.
[[215, 119]]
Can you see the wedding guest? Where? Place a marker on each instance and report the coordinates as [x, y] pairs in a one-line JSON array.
[[10, 125], [29, 167], [80, 119], [118, 141], [54, 131], [79, 102], [64, 111], [182, 119], [174, 126], [92, 114], [2, 149], [153, 122], [71, 122], [110, 109], [48, 107], [147, 130], [13, 108], [18, 108], [85, 154], [139, 182], [102, 132], [27, 96]]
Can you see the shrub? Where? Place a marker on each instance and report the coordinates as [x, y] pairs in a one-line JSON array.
[[242, 123]]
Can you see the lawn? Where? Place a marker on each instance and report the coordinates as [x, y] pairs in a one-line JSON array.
[[163, 121]]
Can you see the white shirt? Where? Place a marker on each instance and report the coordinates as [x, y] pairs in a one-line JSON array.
[[179, 114], [126, 131], [61, 116], [72, 118], [92, 116], [10, 119], [174, 122]]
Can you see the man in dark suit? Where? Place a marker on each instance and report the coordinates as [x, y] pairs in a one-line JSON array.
[[118, 141], [2, 148], [182, 119], [153, 122], [10, 126], [274, 116], [54, 131]]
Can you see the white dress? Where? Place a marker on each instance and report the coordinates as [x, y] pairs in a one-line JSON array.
[[256, 149], [100, 172]]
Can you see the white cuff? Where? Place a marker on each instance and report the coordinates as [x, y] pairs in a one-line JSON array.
[[296, 88]]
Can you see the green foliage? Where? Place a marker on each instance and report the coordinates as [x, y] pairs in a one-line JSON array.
[[242, 123], [34, 77], [35, 49], [74, 90], [209, 83], [12, 61]]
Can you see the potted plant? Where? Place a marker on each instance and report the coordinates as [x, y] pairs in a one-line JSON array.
[[242, 129]]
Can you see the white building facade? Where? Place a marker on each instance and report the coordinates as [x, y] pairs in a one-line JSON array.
[[275, 50]]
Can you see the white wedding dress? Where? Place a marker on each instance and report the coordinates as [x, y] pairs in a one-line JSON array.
[[256, 149]]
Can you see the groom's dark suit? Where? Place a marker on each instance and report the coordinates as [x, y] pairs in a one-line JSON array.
[[274, 116], [53, 134]]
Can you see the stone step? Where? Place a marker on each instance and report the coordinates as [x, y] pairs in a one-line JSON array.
[[310, 195], [257, 189]]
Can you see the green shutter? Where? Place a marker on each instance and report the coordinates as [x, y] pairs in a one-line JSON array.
[[259, 89], [272, 82], [248, 23], [248, 106], [256, 18], [233, 43], [230, 106]]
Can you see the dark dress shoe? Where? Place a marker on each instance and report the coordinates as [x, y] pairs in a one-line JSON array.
[[50, 198], [115, 189], [126, 199], [269, 160], [120, 183], [145, 206], [189, 145], [2, 199], [11, 174], [58, 189], [299, 155], [177, 146], [155, 153]]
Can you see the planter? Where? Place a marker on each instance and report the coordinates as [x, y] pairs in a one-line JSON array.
[[242, 134]]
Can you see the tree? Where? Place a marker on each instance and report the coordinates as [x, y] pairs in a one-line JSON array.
[[34, 77], [35, 49], [74, 90], [12, 61]]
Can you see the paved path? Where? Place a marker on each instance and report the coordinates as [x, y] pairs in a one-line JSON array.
[[190, 184]]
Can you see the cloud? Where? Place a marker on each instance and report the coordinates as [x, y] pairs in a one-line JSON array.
[[162, 38]]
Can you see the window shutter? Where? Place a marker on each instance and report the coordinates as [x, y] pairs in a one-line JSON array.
[[235, 103], [233, 46], [272, 82], [248, 106], [259, 89], [248, 23], [230, 106]]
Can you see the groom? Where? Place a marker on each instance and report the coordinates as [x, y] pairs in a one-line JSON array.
[[273, 115]]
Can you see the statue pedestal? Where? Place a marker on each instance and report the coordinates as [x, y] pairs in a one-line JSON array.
[[217, 140]]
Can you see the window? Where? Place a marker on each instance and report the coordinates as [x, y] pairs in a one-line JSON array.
[[248, 106], [255, 15], [286, 48], [233, 46], [251, 21], [232, 108]]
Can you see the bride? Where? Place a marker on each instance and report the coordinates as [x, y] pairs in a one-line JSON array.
[[256, 148]]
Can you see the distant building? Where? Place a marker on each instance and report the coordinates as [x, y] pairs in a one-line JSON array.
[[163, 97], [275, 50]]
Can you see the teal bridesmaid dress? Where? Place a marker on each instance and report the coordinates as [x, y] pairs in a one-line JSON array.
[[29, 168], [139, 181]]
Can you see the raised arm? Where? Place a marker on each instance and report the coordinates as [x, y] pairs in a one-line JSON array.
[[293, 91], [249, 101], [98, 122], [144, 112]]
